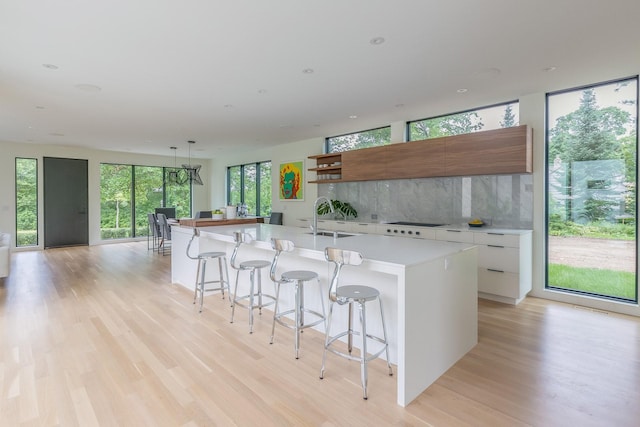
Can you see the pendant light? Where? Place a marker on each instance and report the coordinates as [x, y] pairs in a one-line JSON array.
[[193, 171]]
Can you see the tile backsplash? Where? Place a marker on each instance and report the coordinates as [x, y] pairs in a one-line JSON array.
[[500, 200]]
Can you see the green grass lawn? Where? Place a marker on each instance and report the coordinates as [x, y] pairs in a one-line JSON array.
[[619, 284]]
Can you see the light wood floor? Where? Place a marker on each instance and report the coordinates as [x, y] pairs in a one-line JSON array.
[[98, 336]]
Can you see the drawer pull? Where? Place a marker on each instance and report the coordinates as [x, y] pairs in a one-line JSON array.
[[494, 270], [454, 231], [496, 234], [495, 246]]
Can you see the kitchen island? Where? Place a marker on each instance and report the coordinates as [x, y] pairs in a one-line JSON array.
[[428, 289]]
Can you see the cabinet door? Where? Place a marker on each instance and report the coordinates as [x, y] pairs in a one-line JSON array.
[[452, 235], [364, 164], [498, 151], [417, 159]]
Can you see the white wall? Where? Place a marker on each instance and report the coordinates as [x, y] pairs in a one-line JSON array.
[[9, 151]]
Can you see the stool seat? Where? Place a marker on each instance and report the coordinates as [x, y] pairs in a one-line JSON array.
[[356, 293], [255, 281], [202, 258], [303, 275], [256, 263], [297, 278], [211, 255]]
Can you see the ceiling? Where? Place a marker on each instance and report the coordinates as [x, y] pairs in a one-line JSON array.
[[145, 75]]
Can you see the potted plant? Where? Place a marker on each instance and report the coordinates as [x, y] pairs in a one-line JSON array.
[[340, 208]]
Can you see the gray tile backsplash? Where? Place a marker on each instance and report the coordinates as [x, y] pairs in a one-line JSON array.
[[500, 200]]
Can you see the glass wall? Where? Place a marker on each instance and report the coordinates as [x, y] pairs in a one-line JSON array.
[[591, 190], [128, 193], [26, 202]]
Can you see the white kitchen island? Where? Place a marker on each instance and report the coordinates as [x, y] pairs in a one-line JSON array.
[[428, 289]]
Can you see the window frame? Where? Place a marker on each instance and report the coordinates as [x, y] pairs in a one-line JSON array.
[[327, 146], [37, 187], [258, 183], [407, 129]]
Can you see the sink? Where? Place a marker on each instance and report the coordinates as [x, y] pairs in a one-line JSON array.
[[336, 234]]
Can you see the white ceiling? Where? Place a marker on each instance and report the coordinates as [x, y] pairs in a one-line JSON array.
[[229, 74]]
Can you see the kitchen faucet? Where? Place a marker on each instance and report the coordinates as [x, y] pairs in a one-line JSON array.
[[314, 226]]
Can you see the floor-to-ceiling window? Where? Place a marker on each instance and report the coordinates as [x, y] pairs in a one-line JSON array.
[[250, 184], [26, 202], [128, 193], [591, 208]]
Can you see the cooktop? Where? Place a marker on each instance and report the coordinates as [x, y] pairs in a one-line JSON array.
[[416, 224]]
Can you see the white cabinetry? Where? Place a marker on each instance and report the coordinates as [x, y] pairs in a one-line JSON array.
[[504, 261]]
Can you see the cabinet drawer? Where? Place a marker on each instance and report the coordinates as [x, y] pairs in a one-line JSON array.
[[362, 227], [454, 235], [499, 258], [497, 239], [502, 284]]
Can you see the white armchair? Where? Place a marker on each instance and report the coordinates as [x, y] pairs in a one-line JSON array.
[[5, 254]]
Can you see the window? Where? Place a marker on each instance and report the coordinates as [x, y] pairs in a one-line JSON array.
[[128, 193], [486, 118], [250, 184], [354, 141], [26, 202], [591, 190]]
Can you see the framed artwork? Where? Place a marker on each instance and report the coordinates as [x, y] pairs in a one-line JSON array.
[[291, 181]]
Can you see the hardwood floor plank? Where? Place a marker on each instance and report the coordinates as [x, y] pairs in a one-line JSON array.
[[99, 336]]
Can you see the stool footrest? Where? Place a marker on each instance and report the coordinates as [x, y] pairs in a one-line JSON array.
[[279, 318]]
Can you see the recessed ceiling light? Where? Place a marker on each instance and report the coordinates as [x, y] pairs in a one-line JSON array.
[[50, 66], [308, 71], [461, 90], [548, 69], [353, 117], [88, 88], [377, 40]]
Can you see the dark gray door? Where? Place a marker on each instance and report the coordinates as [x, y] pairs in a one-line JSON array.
[[65, 202]]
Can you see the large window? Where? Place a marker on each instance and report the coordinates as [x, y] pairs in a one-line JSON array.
[[26, 202], [128, 193], [250, 184], [591, 190], [486, 118], [354, 141]]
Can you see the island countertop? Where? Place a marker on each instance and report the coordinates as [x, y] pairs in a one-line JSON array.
[[385, 249]]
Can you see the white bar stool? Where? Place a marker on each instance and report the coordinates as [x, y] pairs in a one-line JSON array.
[[351, 294], [253, 267], [298, 277], [202, 259]]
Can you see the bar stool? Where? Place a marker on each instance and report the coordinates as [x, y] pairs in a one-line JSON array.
[[253, 267], [298, 277], [351, 294], [202, 259]]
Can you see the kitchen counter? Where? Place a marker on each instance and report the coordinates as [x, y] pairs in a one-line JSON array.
[[207, 222], [428, 289]]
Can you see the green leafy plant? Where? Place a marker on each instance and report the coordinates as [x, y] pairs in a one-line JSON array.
[[342, 208]]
